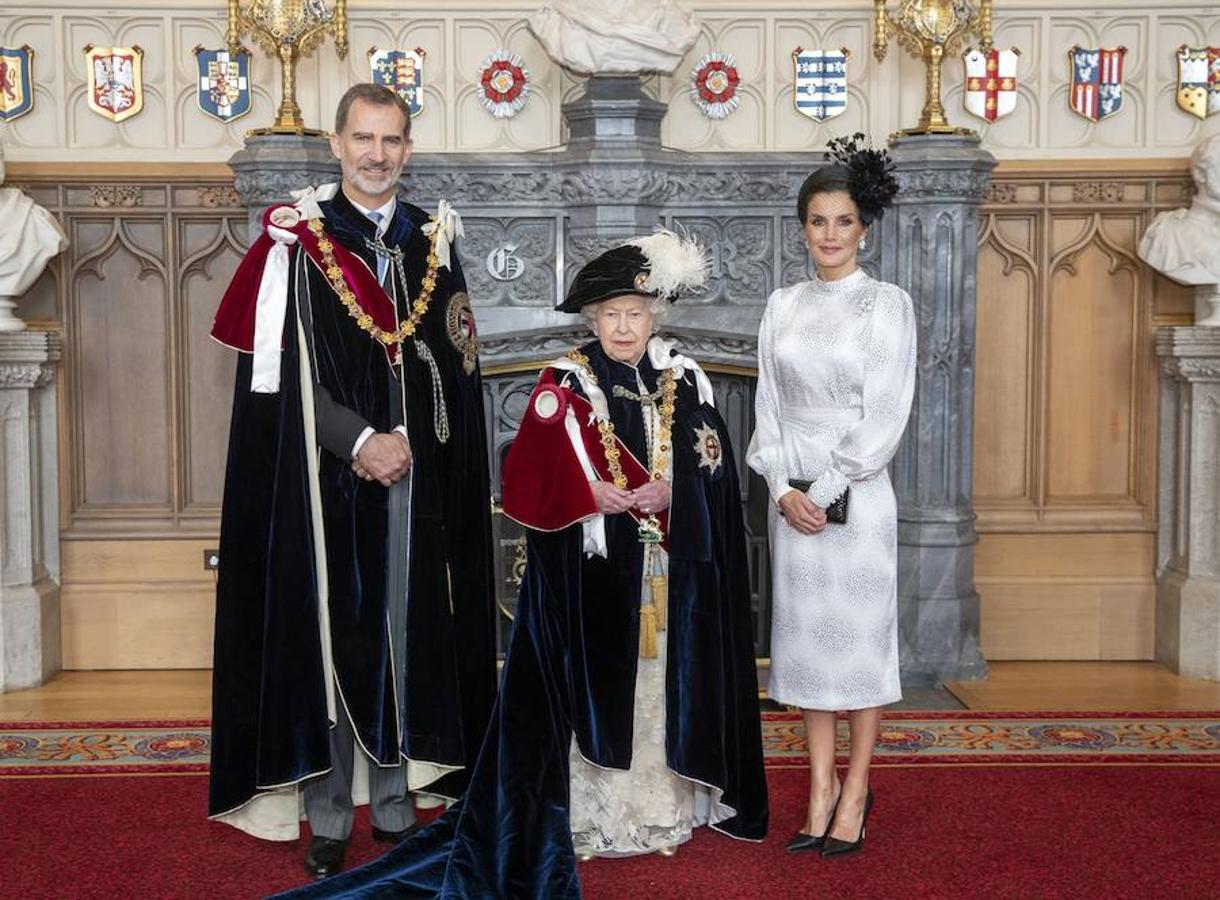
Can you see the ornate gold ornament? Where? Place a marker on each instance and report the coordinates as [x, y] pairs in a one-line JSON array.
[[462, 331], [653, 611], [338, 283], [289, 29], [932, 30]]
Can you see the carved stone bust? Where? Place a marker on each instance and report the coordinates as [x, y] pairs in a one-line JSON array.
[[1182, 243], [29, 239], [615, 37]]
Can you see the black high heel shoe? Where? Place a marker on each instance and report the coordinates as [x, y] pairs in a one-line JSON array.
[[804, 843], [832, 846]]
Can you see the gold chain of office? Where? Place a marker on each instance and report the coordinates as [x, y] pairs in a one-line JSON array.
[[660, 458], [334, 274]]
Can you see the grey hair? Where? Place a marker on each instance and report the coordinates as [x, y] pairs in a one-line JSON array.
[[659, 306]]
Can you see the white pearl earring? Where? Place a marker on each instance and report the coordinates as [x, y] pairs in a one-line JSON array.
[[863, 245]]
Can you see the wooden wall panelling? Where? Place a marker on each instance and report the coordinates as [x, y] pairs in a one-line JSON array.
[[1095, 328], [1065, 462], [1065, 409], [211, 246], [136, 604], [144, 405], [1007, 374]]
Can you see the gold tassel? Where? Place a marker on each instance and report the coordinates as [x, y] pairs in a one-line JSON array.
[[660, 599], [648, 631]]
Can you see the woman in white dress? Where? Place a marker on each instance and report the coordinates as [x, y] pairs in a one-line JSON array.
[[836, 377]]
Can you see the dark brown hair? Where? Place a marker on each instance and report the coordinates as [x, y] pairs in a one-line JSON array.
[[377, 95], [826, 180]]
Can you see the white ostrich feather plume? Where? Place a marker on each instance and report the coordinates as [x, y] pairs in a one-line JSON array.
[[676, 263]]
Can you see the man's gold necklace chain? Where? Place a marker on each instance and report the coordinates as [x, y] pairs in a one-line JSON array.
[[334, 274]]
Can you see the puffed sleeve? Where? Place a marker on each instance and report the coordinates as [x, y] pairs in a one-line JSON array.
[[889, 386], [765, 455]]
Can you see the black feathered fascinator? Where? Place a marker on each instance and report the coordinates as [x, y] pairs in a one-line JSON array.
[[868, 175]]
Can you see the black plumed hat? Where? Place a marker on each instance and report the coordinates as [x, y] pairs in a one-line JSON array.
[[659, 265]]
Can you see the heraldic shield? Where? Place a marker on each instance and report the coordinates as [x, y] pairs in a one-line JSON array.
[[116, 81], [821, 82], [1199, 80], [1097, 81], [224, 83], [16, 82], [402, 71], [991, 82]]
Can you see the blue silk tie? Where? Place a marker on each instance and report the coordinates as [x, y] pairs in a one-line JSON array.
[[382, 262]]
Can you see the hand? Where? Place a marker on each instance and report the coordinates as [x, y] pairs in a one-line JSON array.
[[802, 513], [384, 458], [653, 497], [610, 498]]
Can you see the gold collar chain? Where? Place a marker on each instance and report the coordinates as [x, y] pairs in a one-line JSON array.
[[334, 274], [660, 456]]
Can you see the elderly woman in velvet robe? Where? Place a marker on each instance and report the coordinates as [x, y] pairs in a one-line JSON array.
[[628, 708]]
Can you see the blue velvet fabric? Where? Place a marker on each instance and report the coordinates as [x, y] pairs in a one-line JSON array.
[[570, 669], [269, 712]]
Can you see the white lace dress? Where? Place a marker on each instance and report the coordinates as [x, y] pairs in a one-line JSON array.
[[618, 812], [836, 376]]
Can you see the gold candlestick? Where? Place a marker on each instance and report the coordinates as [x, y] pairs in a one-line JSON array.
[[930, 30], [289, 29]]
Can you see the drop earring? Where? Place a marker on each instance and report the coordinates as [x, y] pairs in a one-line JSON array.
[[863, 245]]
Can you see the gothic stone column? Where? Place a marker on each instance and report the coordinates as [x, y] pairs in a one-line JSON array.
[[929, 247], [29, 511], [612, 175], [1188, 528], [271, 166]]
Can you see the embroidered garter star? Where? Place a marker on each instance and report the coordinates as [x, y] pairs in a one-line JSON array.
[[707, 445]]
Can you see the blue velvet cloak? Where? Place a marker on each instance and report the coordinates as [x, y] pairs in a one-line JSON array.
[[269, 723], [571, 668]]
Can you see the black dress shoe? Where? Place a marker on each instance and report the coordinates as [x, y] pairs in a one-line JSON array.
[[832, 846], [393, 837], [802, 843], [324, 857]]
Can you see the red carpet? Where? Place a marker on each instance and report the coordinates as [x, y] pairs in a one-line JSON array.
[[953, 832]]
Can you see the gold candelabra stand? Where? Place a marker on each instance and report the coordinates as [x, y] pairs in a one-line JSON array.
[[289, 29], [930, 30]]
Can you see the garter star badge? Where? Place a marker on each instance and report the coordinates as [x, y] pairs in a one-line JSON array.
[[16, 82], [821, 82], [116, 81], [224, 83], [403, 72], [1199, 80], [459, 324], [1097, 81], [505, 83], [991, 82], [707, 445], [714, 83]]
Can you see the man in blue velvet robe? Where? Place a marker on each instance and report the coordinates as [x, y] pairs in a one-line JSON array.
[[355, 603]]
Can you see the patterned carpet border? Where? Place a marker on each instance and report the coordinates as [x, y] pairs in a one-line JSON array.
[[907, 738], [1018, 738]]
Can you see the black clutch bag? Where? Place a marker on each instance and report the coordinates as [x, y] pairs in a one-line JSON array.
[[837, 511]]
